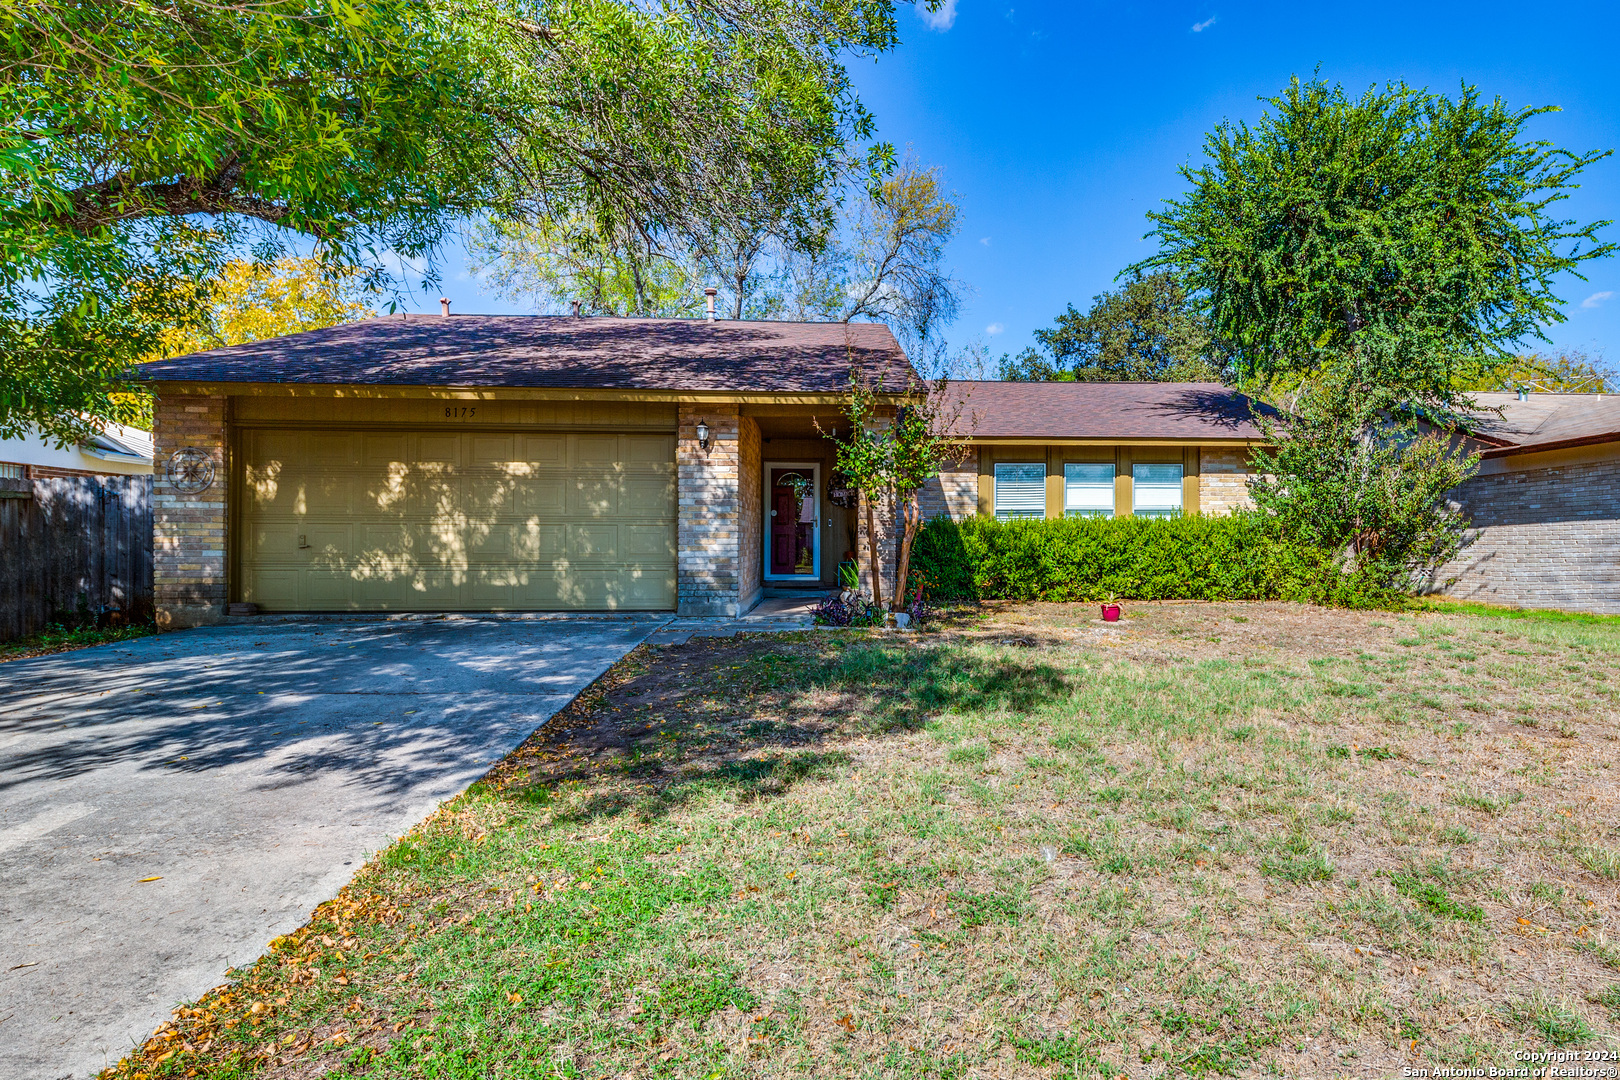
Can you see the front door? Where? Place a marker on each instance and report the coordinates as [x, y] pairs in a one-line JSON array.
[[793, 522]]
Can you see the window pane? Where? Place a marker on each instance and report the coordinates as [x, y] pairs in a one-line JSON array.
[[1088, 489], [1020, 490], [1157, 490]]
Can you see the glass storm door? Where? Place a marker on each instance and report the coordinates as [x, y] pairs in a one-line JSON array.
[[793, 522]]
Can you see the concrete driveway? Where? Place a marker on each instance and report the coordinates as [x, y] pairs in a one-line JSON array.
[[250, 770]]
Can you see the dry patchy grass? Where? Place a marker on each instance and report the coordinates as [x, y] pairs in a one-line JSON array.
[[1236, 839]]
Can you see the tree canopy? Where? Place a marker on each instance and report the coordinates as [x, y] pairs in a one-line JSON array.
[[253, 301], [1147, 330], [1389, 242], [153, 142], [878, 258]]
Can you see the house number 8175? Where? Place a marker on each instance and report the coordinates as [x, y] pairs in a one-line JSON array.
[[460, 412]]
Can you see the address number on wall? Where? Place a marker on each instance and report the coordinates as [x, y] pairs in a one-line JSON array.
[[460, 412]]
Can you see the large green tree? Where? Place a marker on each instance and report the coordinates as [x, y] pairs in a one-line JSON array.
[[1147, 330], [1392, 240], [151, 142], [1364, 257]]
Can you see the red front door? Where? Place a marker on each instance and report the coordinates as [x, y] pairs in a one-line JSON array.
[[793, 522]]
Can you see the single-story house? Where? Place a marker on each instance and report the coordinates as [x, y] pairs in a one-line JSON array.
[[1545, 504], [511, 463], [540, 463], [115, 450]]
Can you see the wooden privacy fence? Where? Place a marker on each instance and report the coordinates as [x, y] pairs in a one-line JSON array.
[[72, 549]]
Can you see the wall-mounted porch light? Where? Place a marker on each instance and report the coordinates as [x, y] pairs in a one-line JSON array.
[[703, 434]]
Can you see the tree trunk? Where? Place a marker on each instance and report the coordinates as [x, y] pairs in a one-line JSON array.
[[872, 553], [913, 514]]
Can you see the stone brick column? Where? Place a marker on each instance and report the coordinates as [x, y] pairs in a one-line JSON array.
[[188, 528], [709, 529]]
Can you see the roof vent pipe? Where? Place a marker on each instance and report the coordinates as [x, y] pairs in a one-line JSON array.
[[444, 306], [1524, 393], [708, 295], [575, 305]]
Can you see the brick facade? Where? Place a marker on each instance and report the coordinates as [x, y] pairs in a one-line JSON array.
[[1547, 537], [1223, 479], [954, 493], [750, 500], [188, 530], [710, 527]]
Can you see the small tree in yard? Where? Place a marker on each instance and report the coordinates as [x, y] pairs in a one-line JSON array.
[[897, 459], [1361, 259]]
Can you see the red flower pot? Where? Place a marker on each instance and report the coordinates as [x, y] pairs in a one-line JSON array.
[[1110, 612]]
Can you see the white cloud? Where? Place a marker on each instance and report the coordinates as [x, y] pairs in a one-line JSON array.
[[985, 240], [994, 328], [941, 19], [1596, 299], [1200, 27]]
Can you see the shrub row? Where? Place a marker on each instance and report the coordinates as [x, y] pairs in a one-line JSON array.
[[1242, 556]]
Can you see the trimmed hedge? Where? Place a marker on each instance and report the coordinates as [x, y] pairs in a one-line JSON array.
[[1241, 556]]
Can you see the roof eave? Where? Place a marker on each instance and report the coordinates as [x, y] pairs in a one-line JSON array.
[[1516, 449], [411, 390]]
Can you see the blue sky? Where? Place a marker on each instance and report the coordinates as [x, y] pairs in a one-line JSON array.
[[1061, 124]]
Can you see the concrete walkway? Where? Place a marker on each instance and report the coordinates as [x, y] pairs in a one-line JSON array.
[[249, 770]]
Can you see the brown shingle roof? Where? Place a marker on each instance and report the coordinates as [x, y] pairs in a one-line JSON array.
[[1104, 410], [558, 352], [1545, 421]]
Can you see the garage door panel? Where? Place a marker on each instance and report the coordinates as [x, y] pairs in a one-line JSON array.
[[596, 452], [457, 521], [329, 588], [544, 494], [272, 541], [323, 543], [644, 588], [595, 497], [593, 543], [332, 448], [438, 450], [378, 451], [272, 588], [649, 452], [328, 494], [490, 451], [647, 496], [494, 588], [486, 496], [432, 497], [545, 450], [648, 543]]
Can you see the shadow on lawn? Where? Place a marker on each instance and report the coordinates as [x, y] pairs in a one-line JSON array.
[[639, 748]]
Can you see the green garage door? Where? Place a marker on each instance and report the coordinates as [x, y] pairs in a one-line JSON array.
[[456, 521]]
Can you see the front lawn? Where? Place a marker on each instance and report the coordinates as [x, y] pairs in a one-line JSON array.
[[1234, 839]]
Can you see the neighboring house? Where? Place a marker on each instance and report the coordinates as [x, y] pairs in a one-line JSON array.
[[117, 450], [1545, 505]]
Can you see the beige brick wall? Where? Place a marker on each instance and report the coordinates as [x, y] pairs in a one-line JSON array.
[[1223, 479], [1546, 537], [954, 493], [750, 498], [709, 527], [188, 530]]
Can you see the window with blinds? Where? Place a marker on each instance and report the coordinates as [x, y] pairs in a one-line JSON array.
[[1157, 490], [1020, 490], [9, 471], [1088, 489]]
